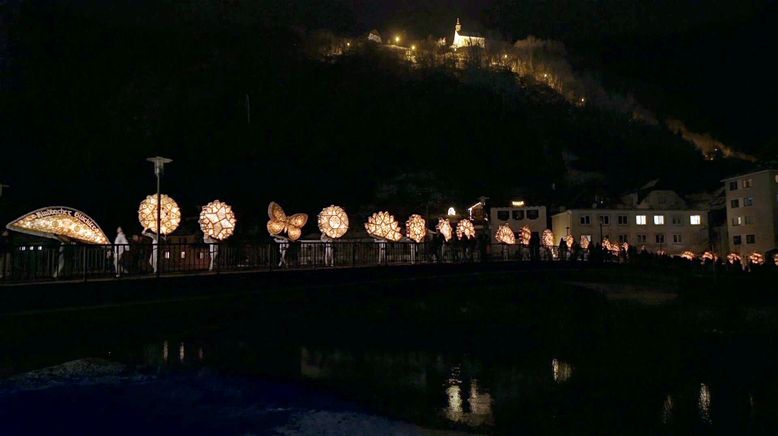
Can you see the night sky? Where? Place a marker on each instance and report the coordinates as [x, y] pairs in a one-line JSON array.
[[90, 89]]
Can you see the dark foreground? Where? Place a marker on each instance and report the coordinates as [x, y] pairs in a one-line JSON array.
[[539, 352]]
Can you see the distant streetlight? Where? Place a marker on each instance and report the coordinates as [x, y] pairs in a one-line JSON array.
[[348, 44], [413, 47], [159, 166], [397, 39]]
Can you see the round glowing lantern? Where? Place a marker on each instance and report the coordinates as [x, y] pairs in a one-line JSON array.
[[615, 249], [444, 227], [525, 235], [280, 223], [505, 235], [709, 256], [756, 258], [333, 221], [465, 229], [688, 255], [217, 220], [169, 217], [382, 225], [416, 228], [584, 242]]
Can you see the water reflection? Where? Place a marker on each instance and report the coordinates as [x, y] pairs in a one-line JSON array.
[[667, 409], [703, 403], [562, 370], [164, 352], [181, 352], [479, 404]]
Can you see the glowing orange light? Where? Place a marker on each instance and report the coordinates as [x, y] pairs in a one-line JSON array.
[[688, 255], [51, 222], [217, 220], [280, 223], [382, 225], [547, 239], [333, 221], [170, 214], [756, 258], [416, 228], [525, 235], [733, 258], [505, 235], [465, 229], [444, 227], [584, 242]]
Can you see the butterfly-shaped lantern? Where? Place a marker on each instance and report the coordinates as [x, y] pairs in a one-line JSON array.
[[280, 223]]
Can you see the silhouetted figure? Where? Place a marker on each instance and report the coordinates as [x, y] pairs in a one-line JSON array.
[[5, 254], [120, 246]]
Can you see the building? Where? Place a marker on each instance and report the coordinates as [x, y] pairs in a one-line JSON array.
[[517, 217], [467, 39], [374, 36], [752, 212], [661, 222]]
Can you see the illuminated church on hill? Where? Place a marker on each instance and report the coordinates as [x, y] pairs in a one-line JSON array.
[[467, 39]]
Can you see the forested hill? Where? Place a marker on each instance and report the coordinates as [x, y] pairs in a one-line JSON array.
[[249, 117]]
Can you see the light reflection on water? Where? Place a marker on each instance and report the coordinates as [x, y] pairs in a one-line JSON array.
[[667, 410], [703, 403], [562, 371], [479, 404]]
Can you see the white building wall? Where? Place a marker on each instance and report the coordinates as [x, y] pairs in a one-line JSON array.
[[752, 212]]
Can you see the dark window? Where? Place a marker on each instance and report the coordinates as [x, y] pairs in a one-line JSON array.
[[605, 219], [734, 204], [518, 215], [642, 238], [676, 238], [532, 214], [623, 238], [748, 201], [585, 219], [623, 219], [733, 186], [502, 215], [660, 238], [737, 240], [750, 239], [676, 219]]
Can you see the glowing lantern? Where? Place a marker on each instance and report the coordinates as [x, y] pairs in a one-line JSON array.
[[569, 240], [333, 221], [756, 258], [217, 220], [548, 238], [733, 258], [382, 225], [584, 242], [416, 228], [505, 235], [525, 235], [615, 249], [60, 222], [775, 259], [444, 227], [169, 217], [465, 229], [688, 255], [708, 256], [280, 223]]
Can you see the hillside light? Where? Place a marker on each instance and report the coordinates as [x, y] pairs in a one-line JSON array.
[[452, 211], [413, 47], [397, 39]]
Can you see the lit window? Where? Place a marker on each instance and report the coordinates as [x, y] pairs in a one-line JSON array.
[[660, 238], [640, 220], [750, 239], [167, 255], [748, 201], [746, 183], [585, 219], [659, 220], [736, 221], [183, 254], [695, 220]]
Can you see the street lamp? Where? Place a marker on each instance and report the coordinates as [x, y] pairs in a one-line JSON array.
[[159, 166]]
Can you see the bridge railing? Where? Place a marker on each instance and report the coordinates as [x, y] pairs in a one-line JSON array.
[[47, 262]]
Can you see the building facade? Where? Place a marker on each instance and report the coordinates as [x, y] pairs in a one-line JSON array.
[[752, 212], [660, 222], [534, 217]]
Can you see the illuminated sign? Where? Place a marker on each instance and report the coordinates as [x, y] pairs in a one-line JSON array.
[[60, 222]]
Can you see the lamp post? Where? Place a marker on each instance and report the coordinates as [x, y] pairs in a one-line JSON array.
[[159, 165]]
